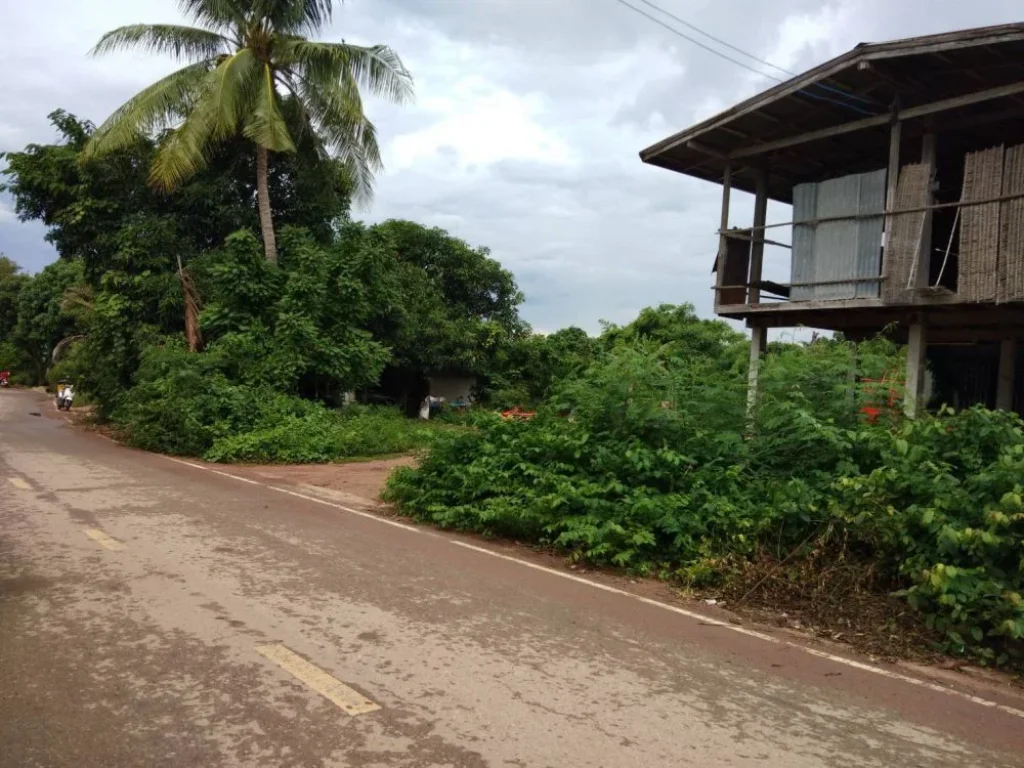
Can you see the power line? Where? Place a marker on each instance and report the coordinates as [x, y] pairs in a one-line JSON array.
[[739, 50], [698, 43], [708, 35], [742, 52]]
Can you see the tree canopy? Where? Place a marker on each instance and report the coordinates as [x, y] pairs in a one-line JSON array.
[[253, 73]]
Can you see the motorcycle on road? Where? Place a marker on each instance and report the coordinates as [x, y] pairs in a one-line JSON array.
[[65, 397]]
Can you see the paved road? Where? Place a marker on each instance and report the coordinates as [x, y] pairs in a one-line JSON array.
[[156, 614]]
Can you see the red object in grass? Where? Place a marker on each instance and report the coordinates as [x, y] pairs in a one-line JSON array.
[[871, 413], [518, 414], [881, 402]]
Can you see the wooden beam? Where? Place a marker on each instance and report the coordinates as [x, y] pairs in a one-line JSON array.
[[778, 289], [871, 51], [696, 146], [946, 41], [892, 178], [723, 227], [741, 234], [875, 122], [888, 212], [923, 259], [757, 246], [975, 121]]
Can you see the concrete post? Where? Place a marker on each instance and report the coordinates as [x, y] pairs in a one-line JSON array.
[[1007, 374], [917, 346], [758, 343]]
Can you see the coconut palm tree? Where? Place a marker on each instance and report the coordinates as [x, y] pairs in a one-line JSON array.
[[253, 71]]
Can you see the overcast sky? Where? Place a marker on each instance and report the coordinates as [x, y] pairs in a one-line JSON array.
[[526, 127]]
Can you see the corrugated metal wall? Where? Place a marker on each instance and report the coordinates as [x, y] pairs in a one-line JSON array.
[[836, 250]]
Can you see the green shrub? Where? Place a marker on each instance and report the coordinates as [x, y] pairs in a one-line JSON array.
[[323, 436], [182, 403], [652, 464]]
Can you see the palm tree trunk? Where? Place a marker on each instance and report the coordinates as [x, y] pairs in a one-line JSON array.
[[263, 203]]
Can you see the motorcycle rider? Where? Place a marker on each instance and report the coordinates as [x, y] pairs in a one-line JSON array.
[[65, 395]]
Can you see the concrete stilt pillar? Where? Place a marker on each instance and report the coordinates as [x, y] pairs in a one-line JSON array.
[[917, 345], [758, 343], [1007, 374]]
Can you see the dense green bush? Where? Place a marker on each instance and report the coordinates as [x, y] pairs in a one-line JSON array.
[[653, 464], [183, 403], [324, 436]]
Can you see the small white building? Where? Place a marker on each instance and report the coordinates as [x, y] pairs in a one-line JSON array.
[[452, 387]]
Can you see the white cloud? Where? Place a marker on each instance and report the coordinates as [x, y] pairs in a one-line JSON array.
[[526, 128], [7, 215]]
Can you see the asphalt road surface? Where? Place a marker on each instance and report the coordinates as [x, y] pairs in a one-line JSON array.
[[158, 614]]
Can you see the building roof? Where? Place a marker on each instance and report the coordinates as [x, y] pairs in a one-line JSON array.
[[863, 84]]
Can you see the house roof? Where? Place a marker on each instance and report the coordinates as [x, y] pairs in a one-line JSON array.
[[863, 84]]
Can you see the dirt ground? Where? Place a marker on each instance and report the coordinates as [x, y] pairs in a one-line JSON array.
[[362, 481]]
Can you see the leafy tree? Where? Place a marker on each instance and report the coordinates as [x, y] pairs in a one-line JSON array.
[[246, 58], [533, 365], [441, 304], [296, 326], [12, 280], [43, 319], [85, 205], [679, 331]]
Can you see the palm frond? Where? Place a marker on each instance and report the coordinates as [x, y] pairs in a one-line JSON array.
[[237, 82], [181, 42], [362, 164], [376, 68], [216, 14], [226, 97], [266, 125], [295, 16], [188, 149], [338, 120], [154, 107]]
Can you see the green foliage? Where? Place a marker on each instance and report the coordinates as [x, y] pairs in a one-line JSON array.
[[12, 280], [527, 370], [42, 318], [325, 436], [679, 334], [441, 305], [183, 403], [252, 74], [648, 461], [296, 326]]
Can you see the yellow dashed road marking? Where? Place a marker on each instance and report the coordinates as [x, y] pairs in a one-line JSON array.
[[103, 539], [351, 702], [17, 482]]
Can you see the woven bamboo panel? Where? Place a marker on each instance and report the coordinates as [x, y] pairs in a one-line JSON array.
[[979, 226], [1011, 229], [905, 230]]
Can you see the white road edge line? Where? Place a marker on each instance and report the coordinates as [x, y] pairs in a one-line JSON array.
[[348, 700], [368, 515], [760, 636], [646, 600]]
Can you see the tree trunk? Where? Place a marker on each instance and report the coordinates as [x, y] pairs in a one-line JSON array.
[[263, 203]]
